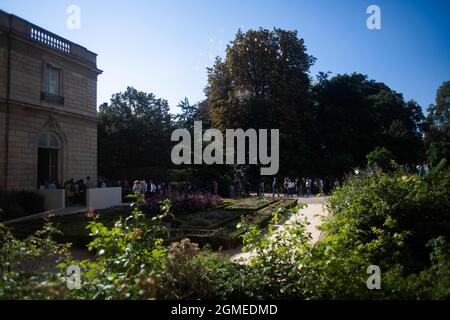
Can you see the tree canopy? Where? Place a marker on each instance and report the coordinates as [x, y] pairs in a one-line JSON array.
[[263, 82], [134, 131], [353, 115], [327, 125], [437, 126]]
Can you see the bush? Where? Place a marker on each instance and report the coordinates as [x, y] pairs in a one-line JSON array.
[[129, 260], [185, 276], [396, 221], [25, 265], [251, 204], [380, 157], [405, 206], [16, 204], [437, 151], [182, 205]]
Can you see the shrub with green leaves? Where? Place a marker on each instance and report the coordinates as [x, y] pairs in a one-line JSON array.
[[407, 209], [129, 258], [27, 267], [380, 157], [396, 221]]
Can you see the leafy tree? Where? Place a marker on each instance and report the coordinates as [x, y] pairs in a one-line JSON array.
[[134, 131], [437, 132], [195, 173], [263, 82], [187, 116], [353, 115]]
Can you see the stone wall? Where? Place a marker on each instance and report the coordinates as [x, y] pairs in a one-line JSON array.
[[2, 144], [78, 138], [73, 122], [79, 84]]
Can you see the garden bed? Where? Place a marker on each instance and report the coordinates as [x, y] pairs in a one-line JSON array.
[[251, 204], [208, 219], [214, 226], [224, 234], [183, 204]]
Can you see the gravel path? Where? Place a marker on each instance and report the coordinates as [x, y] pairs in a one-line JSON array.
[[313, 212]]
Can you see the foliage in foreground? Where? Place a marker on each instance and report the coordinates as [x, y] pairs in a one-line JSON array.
[[396, 221], [25, 268]]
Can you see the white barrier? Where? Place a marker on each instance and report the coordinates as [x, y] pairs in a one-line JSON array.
[[101, 198], [53, 198]]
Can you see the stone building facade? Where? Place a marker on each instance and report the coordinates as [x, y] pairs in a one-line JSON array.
[[48, 94]]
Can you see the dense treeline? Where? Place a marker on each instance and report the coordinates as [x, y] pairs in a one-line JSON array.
[[327, 125]]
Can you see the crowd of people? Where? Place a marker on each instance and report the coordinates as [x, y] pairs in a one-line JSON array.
[[301, 187], [151, 188], [75, 191], [287, 187], [148, 188]]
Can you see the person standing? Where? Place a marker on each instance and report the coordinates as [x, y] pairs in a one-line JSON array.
[[158, 189], [274, 186], [231, 190], [68, 191], [89, 183], [152, 189], [421, 170], [215, 187], [320, 182], [137, 187], [144, 186], [426, 169], [76, 192], [300, 187], [309, 186], [82, 192], [336, 183]]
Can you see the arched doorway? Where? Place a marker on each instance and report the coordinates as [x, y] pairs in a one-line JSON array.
[[49, 155]]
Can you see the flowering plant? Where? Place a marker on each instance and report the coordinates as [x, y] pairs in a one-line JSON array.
[[184, 204]]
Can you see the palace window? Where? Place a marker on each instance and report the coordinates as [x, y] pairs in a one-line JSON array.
[[52, 84]]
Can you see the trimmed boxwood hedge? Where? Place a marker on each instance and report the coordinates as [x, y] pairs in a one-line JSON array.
[[239, 206], [233, 239]]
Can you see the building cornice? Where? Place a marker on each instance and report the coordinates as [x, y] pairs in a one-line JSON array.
[[50, 109], [25, 31], [53, 52]]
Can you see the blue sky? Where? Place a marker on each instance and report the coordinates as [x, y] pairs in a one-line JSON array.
[[164, 46]]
